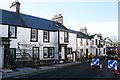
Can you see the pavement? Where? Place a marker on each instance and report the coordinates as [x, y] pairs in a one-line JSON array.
[[21, 72]]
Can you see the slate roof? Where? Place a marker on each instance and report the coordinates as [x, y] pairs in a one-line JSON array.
[[23, 20], [81, 35]]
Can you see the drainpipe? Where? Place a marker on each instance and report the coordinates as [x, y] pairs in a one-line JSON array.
[[58, 43]]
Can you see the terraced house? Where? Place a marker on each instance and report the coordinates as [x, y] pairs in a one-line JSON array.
[[33, 39], [30, 41]]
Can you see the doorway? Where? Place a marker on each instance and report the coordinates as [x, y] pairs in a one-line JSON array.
[[35, 53], [86, 53], [63, 51]]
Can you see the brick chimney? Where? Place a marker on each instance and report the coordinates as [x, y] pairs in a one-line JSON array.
[[15, 6]]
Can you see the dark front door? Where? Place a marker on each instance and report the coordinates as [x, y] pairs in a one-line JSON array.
[[5, 42], [7, 60], [86, 53], [96, 52]]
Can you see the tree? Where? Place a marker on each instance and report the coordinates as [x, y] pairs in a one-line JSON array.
[[114, 38]]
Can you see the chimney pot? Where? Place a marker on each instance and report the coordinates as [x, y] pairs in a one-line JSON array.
[[15, 6]]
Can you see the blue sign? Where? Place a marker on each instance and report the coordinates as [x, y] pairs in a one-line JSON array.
[[95, 61], [112, 64]]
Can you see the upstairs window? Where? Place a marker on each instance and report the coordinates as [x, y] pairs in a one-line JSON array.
[[66, 37], [34, 35], [12, 33], [92, 42], [96, 41], [81, 42], [87, 42], [46, 36]]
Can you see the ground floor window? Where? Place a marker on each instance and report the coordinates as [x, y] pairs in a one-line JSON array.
[[48, 52], [69, 50]]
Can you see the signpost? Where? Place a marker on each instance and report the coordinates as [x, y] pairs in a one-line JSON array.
[[112, 64], [95, 61]]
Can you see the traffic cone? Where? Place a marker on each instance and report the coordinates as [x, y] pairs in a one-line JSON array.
[[116, 70], [101, 67], [91, 65]]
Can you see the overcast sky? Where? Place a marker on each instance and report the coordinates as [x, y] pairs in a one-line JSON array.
[[98, 16]]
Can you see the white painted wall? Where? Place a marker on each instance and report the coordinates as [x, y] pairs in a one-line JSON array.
[[83, 46], [56, 44], [23, 37], [1, 57], [3, 30], [94, 47], [72, 41], [52, 43], [78, 48], [72, 44], [61, 37]]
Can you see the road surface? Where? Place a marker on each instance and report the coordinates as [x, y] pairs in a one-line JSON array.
[[76, 71]]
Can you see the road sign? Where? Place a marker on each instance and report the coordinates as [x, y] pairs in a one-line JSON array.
[[112, 64], [95, 61]]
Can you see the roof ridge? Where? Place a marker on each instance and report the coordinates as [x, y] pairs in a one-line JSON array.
[[24, 20]]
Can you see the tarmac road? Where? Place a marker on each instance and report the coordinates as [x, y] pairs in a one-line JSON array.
[[77, 71]]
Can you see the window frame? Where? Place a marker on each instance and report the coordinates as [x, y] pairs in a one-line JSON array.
[[92, 41], [87, 43], [44, 52], [69, 50], [31, 39], [96, 41], [51, 56], [15, 31], [81, 42], [48, 52], [66, 38], [44, 36]]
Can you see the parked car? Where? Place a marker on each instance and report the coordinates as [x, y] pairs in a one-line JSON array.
[[60, 61]]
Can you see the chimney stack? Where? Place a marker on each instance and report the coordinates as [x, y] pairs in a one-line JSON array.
[[15, 6], [83, 30], [58, 18]]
